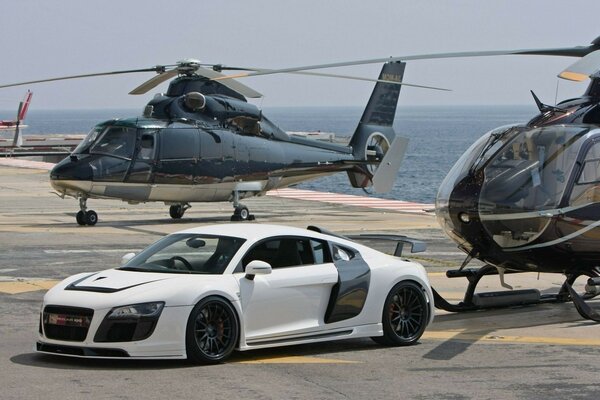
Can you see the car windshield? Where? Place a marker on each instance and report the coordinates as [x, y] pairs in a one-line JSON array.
[[187, 253]]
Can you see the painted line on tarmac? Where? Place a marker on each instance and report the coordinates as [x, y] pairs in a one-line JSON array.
[[16, 286], [83, 251], [296, 360], [473, 337], [352, 200]]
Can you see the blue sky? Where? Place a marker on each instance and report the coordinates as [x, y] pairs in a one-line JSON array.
[[41, 39]]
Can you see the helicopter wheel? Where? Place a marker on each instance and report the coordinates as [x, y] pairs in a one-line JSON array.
[[241, 213], [176, 211], [91, 217], [86, 217], [80, 217]]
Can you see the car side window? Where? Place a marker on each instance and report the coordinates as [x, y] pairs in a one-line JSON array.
[[288, 252], [342, 253]]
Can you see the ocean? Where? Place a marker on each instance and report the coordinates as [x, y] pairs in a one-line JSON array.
[[438, 136]]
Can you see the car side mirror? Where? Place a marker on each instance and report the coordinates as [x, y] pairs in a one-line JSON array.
[[257, 267], [125, 259]]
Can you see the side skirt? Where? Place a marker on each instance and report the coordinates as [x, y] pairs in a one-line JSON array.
[[314, 337]]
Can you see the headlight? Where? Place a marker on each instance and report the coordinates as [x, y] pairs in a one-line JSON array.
[[146, 310]]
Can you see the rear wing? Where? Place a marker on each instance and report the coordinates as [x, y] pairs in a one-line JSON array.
[[416, 246]]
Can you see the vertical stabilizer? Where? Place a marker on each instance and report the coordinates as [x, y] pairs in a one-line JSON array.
[[374, 136], [24, 106]]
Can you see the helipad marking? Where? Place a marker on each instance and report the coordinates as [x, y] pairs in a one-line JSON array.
[[23, 286], [498, 338], [20, 163], [351, 200], [296, 360]]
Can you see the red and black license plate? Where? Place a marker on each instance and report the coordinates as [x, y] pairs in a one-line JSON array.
[[67, 320]]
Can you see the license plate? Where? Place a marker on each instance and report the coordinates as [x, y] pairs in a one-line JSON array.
[[68, 320]]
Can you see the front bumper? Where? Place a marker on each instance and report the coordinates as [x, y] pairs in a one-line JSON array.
[[166, 341]]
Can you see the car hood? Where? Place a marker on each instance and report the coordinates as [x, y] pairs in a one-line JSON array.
[[111, 281], [115, 287]]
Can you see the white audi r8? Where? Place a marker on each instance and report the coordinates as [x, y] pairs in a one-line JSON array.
[[203, 293]]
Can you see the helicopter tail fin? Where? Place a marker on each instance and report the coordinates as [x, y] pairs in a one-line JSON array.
[[374, 141], [24, 106]]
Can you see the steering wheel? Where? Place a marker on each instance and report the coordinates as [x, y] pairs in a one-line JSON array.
[[185, 262]]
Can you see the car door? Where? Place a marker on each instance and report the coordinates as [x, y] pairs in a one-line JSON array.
[[293, 298]]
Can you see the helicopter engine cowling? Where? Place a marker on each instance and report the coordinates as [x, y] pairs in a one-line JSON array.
[[194, 101]]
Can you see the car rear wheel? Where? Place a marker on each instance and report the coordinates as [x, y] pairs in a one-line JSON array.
[[405, 315], [212, 331]]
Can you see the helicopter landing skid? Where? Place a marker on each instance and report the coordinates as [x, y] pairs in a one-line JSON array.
[[592, 289], [473, 301]]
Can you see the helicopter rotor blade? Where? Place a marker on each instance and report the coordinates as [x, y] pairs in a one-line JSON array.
[[579, 51], [359, 78], [231, 84], [190, 67], [18, 139], [154, 81], [583, 68], [62, 78]]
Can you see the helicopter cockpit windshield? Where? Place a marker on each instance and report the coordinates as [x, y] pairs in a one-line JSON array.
[[529, 174], [91, 137], [116, 141]]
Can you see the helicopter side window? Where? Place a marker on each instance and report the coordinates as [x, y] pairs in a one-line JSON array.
[[146, 147], [116, 141], [587, 187]]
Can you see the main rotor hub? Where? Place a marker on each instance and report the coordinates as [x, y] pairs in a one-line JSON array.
[[188, 66]]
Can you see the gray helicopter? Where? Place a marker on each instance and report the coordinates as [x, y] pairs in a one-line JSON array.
[[202, 141]]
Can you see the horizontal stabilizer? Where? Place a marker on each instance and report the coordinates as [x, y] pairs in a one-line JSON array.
[[386, 172]]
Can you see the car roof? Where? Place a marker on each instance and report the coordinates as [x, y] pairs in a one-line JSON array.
[[253, 231]]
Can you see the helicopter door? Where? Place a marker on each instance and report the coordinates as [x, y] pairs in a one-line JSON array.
[[141, 170], [580, 224], [586, 190], [178, 156]]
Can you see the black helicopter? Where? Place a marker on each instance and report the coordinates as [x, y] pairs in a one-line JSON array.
[[526, 198], [202, 141]]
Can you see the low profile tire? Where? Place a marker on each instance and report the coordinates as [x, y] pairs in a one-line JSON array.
[[212, 331], [91, 218], [176, 211], [405, 315], [80, 217]]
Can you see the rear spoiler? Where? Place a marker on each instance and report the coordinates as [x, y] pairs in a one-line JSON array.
[[416, 246]]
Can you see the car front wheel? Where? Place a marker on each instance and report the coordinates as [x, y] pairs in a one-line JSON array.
[[405, 315], [212, 331]]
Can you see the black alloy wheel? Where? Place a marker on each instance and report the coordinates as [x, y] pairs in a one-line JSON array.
[[212, 331], [405, 315]]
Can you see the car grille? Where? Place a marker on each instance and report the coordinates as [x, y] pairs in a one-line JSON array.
[[67, 323]]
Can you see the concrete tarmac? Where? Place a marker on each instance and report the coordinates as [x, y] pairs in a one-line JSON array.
[[535, 352]]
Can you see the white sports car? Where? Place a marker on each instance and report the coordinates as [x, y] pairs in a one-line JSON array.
[[204, 292]]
